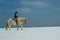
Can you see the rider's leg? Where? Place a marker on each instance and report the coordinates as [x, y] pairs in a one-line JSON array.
[[17, 21]]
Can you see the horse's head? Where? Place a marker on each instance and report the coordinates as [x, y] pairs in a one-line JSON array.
[[24, 20]]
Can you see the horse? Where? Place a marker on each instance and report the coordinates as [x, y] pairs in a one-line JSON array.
[[20, 22]]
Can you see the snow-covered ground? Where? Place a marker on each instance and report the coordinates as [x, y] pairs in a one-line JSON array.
[[38, 33]]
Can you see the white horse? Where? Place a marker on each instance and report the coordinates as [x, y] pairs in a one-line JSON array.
[[13, 22]]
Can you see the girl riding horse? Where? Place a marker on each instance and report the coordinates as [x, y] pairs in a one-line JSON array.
[[16, 17]]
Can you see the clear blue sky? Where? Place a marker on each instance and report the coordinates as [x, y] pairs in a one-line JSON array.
[[38, 12]]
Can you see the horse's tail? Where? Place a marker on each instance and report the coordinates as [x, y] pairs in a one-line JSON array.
[[7, 26]]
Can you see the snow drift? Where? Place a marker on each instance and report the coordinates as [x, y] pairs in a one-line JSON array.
[[38, 33]]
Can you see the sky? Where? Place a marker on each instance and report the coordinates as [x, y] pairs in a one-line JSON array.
[[38, 12]]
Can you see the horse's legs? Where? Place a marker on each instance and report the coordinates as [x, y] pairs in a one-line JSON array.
[[21, 27], [6, 28], [9, 27], [18, 28]]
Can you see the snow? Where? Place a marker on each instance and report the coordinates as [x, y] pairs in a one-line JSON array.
[[33, 33]]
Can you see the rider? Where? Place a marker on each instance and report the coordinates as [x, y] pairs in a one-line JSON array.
[[16, 16]]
